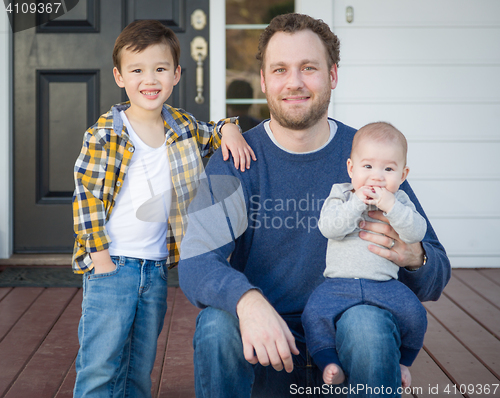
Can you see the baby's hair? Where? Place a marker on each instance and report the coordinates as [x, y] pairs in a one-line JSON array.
[[381, 132], [140, 34]]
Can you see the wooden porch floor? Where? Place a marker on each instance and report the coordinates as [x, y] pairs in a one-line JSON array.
[[38, 342]]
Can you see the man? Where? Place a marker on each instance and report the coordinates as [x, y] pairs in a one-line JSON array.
[[253, 288]]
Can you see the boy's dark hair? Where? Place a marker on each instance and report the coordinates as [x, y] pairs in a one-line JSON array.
[[139, 35], [291, 23]]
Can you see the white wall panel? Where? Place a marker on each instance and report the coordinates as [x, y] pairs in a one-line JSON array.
[[432, 68], [455, 161], [462, 199], [407, 45], [422, 83], [428, 13], [463, 122], [469, 242]]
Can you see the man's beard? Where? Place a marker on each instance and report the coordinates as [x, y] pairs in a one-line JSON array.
[[295, 120]]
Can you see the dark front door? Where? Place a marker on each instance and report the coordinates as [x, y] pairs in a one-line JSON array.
[[63, 82]]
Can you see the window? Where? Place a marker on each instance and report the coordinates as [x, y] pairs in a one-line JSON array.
[[245, 21]]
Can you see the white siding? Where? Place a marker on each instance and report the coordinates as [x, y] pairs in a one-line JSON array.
[[432, 68]]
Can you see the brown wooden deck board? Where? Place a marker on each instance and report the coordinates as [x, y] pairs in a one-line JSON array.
[[474, 305], [13, 306], [492, 274], [483, 345], [24, 339], [481, 284], [178, 377], [46, 370], [162, 344], [66, 389], [461, 366], [39, 342], [425, 374], [4, 291]]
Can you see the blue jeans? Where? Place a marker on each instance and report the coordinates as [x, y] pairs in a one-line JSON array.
[[335, 295], [122, 316], [368, 346]]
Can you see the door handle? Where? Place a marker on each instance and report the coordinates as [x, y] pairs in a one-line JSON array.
[[199, 51]]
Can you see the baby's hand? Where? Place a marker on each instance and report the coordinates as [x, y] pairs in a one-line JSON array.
[[365, 193], [380, 197]]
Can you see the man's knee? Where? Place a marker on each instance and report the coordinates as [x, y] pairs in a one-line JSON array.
[[368, 342], [368, 328], [219, 364], [217, 330]]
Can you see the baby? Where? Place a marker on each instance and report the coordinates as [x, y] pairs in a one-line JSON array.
[[354, 275]]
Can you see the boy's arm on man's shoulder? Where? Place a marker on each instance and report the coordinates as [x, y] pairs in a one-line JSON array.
[[210, 137], [209, 134]]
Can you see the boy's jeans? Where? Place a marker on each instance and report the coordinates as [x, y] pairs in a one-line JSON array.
[[368, 346], [122, 316]]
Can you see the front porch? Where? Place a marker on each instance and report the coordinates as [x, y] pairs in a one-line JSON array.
[[38, 341]]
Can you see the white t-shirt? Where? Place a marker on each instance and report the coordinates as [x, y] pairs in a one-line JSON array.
[[333, 130], [138, 223]]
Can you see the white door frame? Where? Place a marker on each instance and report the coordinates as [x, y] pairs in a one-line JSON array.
[[6, 134]]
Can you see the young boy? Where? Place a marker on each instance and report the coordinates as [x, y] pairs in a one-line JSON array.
[[135, 176], [356, 276]]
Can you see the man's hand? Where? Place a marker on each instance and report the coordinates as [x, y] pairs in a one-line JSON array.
[[233, 141], [102, 262], [265, 335], [401, 253]]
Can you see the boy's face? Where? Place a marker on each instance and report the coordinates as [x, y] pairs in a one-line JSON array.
[[148, 76], [379, 164]]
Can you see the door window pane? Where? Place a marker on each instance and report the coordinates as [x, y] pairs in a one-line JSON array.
[[245, 21], [256, 11]]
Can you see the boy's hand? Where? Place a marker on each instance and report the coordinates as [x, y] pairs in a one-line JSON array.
[[233, 141], [380, 197], [102, 262]]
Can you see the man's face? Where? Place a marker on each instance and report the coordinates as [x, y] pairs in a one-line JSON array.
[[296, 79]]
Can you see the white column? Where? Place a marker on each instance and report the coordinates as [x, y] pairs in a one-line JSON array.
[[217, 50], [6, 131]]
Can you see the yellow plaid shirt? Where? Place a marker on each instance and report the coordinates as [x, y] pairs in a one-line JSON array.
[[102, 166]]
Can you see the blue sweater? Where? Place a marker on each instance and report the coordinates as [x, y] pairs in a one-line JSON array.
[[282, 252]]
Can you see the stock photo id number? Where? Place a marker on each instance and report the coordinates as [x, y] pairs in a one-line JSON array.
[[25, 14]]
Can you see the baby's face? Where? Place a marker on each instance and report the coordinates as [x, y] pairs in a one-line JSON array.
[[377, 164]]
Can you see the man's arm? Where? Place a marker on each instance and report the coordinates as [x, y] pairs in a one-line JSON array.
[[208, 279], [426, 280]]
